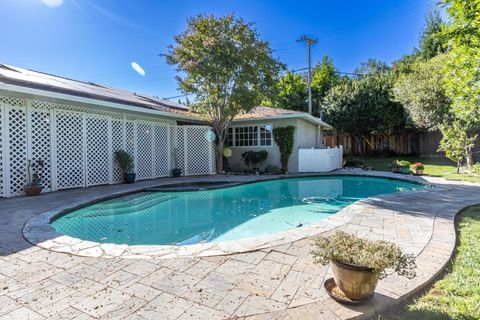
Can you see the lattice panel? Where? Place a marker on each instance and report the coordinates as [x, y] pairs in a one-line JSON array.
[[198, 150], [98, 151], [144, 154], [70, 159], [40, 142], [2, 143], [17, 142], [161, 152], [129, 138], [117, 144], [179, 152]]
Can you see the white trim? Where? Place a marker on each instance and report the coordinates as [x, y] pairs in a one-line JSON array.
[[91, 101], [258, 135], [305, 116], [53, 150], [5, 153]]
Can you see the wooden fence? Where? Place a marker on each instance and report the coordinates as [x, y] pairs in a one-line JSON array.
[[407, 143]]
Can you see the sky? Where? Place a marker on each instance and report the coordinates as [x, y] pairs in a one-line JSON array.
[[117, 43]]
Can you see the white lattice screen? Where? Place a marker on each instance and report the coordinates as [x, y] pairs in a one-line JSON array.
[[77, 145]]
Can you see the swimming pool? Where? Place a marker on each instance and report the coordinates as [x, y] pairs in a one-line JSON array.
[[183, 218]]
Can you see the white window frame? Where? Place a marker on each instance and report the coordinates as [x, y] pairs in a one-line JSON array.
[[258, 145]]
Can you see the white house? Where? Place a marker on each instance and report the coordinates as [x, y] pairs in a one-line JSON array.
[[75, 127]]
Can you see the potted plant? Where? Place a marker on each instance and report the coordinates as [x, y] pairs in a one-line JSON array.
[[176, 171], [394, 166], [418, 168], [34, 178], [358, 264], [404, 166], [125, 161]]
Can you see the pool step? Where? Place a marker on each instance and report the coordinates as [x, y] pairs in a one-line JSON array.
[[137, 207]]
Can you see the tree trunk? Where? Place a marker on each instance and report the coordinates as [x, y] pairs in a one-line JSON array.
[[458, 167], [219, 155], [469, 157]]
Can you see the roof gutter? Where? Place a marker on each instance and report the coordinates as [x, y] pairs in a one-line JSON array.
[[306, 116], [113, 105]]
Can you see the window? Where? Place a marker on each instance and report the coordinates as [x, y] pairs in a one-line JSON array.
[[249, 136]]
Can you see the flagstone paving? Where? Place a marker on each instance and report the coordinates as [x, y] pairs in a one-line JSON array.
[[274, 282]]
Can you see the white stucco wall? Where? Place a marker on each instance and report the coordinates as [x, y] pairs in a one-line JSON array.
[[307, 135]]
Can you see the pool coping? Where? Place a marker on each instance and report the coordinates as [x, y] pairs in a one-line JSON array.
[[39, 231]]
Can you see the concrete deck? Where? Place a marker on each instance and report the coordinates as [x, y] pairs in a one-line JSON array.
[[277, 281]]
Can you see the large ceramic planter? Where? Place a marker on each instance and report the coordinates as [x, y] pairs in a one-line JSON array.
[[33, 190], [356, 282], [129, 178], [176, 172], [405, 170]]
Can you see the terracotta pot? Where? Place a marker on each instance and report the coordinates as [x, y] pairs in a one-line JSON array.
[[418, 172], [129, 178], [358, 283], [33, 190]]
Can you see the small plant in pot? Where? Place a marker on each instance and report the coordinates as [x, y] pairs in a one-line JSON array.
[[125, 161], [403, 166], [358, 264], [394, 166], [176, 171], [34, 178], [418, 168]]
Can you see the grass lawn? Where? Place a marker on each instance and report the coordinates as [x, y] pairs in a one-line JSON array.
[[457, 295], [439, 167]]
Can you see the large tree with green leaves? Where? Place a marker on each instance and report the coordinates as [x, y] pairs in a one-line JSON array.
[[292, 93], [462, 72], [432, 41], [422, 93], [324, 77], [227, 67], [363, 106]]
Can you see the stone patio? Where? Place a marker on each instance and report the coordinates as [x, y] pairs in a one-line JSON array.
[[277, 281]]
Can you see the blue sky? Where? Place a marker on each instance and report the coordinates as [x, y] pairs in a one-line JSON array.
[[97, 40]]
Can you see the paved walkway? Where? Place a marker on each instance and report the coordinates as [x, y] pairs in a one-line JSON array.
[[278, 282]]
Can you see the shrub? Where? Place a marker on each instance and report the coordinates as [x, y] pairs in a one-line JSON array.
[[476, 168], [400, 164], [254, 158], [418, 166], [125, 161], [271, 168], [285, 139], [376, 255]]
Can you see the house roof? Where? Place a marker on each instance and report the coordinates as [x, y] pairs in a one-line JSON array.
[[266, 113], [101, 94], [47, 82]]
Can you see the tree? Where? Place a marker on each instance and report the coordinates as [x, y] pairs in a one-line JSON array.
[[372, 67], [226, 66], [422, 93], [456, 143], [432, 41], [363, 106], [462, 74], [324, 77], [285, 139], [292, 93]]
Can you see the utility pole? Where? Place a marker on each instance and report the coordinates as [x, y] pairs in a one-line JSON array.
[[309, 41]]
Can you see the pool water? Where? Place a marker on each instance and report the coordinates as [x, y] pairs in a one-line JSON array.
[[182, 218]]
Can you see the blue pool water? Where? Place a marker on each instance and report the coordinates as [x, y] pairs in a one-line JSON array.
[[223, 214]]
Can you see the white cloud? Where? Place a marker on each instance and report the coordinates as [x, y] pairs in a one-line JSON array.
[[137, 68], [53, 3]]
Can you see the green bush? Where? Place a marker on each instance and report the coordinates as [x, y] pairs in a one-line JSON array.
[[271, 168], [376, 255], [254, 158], [285, 138], [400, 164], [476, 168]]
